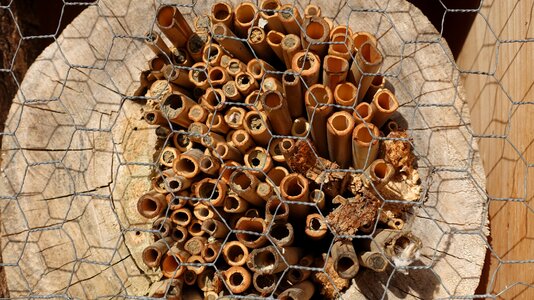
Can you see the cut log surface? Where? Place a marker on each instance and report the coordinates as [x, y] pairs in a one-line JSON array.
[[76, 156]]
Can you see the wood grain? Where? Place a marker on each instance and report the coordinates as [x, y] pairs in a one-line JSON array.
[[501, 109], [77, 155]]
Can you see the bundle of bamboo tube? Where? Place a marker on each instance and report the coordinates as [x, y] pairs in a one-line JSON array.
[[277, 147]]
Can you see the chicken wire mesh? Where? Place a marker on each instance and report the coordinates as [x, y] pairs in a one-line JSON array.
[[76, 154]]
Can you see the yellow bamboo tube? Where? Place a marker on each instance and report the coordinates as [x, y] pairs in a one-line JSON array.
[[361, 37], [227, 39], [292, 89], [253, 101], [178, 76], [235, 66], [258, 158], [312, 10], [264, 191], [335, 71], [197, 113], [163, 227], [181, 217], [317, 196], [300, 127], [258, 41], [317, 35], [234, 117], [196, 244], [276, 152], [196, 131], [277, 111], [211, 189], [345, 260], [157, 44], [276, 210], [216, 123], [256, 125], [268, 12], [151, 204], [363, 113], [195, 230], [212, 55], [270, 260], [213, 100], [237, 279], [373, 260], [210, 252], [274, 40], [271, 84], [227, 152], [168, 154], [244, 184], [345, 94], [276, 175], [228, 168], [222, 12], [175, 201], [308, 65], [364, 67], [187, 163], [290, 45], [153, 254], [379, 82], [173, 24], [379, 173], [231, 93], [295, 276], [175, 106], [172, 263], [217, 76], [364, 145], [209, 165], [255, 228], [215, 228], [242, 140], [342, 46], [339, 128], [155, 66], [316, 97], [246, 83], [235, 253], [260, 69], [342, 29], [301, 291], [196, 43], [155, 117], [203, 211], [244, 18], [384, 105], [198, 75], [234, 204], [179, 234], [396, 223], [177, 183], [197, 270], [295, 187], [158, 184], [290, 18]]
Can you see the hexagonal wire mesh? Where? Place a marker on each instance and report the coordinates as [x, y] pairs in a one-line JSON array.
[[76, 156]]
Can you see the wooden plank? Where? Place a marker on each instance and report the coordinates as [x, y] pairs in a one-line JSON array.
[[501, 114]]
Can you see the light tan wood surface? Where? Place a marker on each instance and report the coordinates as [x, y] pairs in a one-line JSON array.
[[502, 114], [74, 164]]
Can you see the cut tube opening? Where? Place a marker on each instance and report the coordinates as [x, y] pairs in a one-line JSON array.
[[150, 117], [203, 212], [265, 258], [286, 144], [211, 53], [273, 100], [185, 165], [220, 11], [400, 244], [218, 29], [151, 255], [289, 78], [270, 5], [275, 37], [344, 264], [257, 159], [222, 150], [315, 30], [210, 227], [178, 235], [255, 122], [294, 187], [334, 63], [319, 94], [216, 74], [276, 175], [208, 190], [340, 122], [295, 275], [243, 79], [209, 252], [212, 97], [181, 217], [231, 203], [156, 64], [195, 227], [369, 53], [174, 102], [236, 279], [384, 101], [174, 184], [242, 180], [340, 44], [315, 224], [363, 110], [240, 137], [170, 264], [364, 135], [256, 68], [149, 205], [279, 231], [346, 92], [165, 16], [359, 40], [305, 62], [235, 253], [317, 195], [380, 170], [206, 163], [245, 13]]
